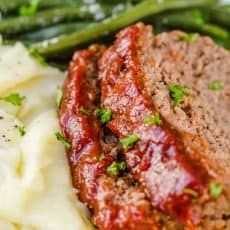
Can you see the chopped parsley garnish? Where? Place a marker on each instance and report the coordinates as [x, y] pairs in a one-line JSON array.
[[84, 111], [190, 192], [115, 167], [216, 85], [153, 120], [29, 9], [14, 99], [215, 189], [33, 52], [191, 37], [177, 93], [62, 140], [127, 142], [59, 97], [21, 130], [104, 114], [101, 157]]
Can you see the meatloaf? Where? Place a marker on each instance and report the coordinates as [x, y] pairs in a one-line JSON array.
[[147, 143], [203, 114], [116, 200]]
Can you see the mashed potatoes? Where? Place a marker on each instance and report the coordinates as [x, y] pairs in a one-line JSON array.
[[35, 185]]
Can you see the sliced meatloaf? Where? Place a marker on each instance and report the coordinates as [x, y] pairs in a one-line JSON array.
[[116, 200], [202, 117], [203, 112], [156, 156], [146, 124]]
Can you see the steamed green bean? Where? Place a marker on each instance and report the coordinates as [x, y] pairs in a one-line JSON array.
[[12, 5], [220, 15], [53, 31], [53, 16], [112, 24], [193, 20]]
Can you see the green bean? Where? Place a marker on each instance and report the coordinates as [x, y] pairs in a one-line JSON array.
[[12, 5], [48, 3], [9, 5], [192, 20], [12, 42], [220, 15], [53, 31], [223, 42], [112, 24], [48, 17], [214, 31], [179, 18]]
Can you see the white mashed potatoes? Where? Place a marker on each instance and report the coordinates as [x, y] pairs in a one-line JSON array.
[[35, 184]]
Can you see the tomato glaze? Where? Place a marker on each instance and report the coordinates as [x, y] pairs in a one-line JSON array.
[[109, 205], [159, 160]]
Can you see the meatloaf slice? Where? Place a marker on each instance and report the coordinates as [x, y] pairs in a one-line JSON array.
[[128, 70], [117, 201], [159, 160], [203, 113], [202, 117], [163, 173]]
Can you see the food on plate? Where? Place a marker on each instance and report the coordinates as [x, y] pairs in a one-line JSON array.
[[35, 185], [199, 71], [145, 145], [194, 20], [116, 202], [113, 23], [27, 22], [134, 134]]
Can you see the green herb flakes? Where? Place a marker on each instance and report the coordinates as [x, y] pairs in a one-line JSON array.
[[33, 52], [14, 98], [30, 9], [177, 93], [127, 142], [21, 130], [191, 37], [215, 189], [191, 192], [101, 157], [216, 85], [104, 114], [153, 120], [115, 167], [84, 111], [62, 140]]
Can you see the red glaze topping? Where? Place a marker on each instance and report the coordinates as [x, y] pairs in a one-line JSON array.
[[96, 188], [159, 160]]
